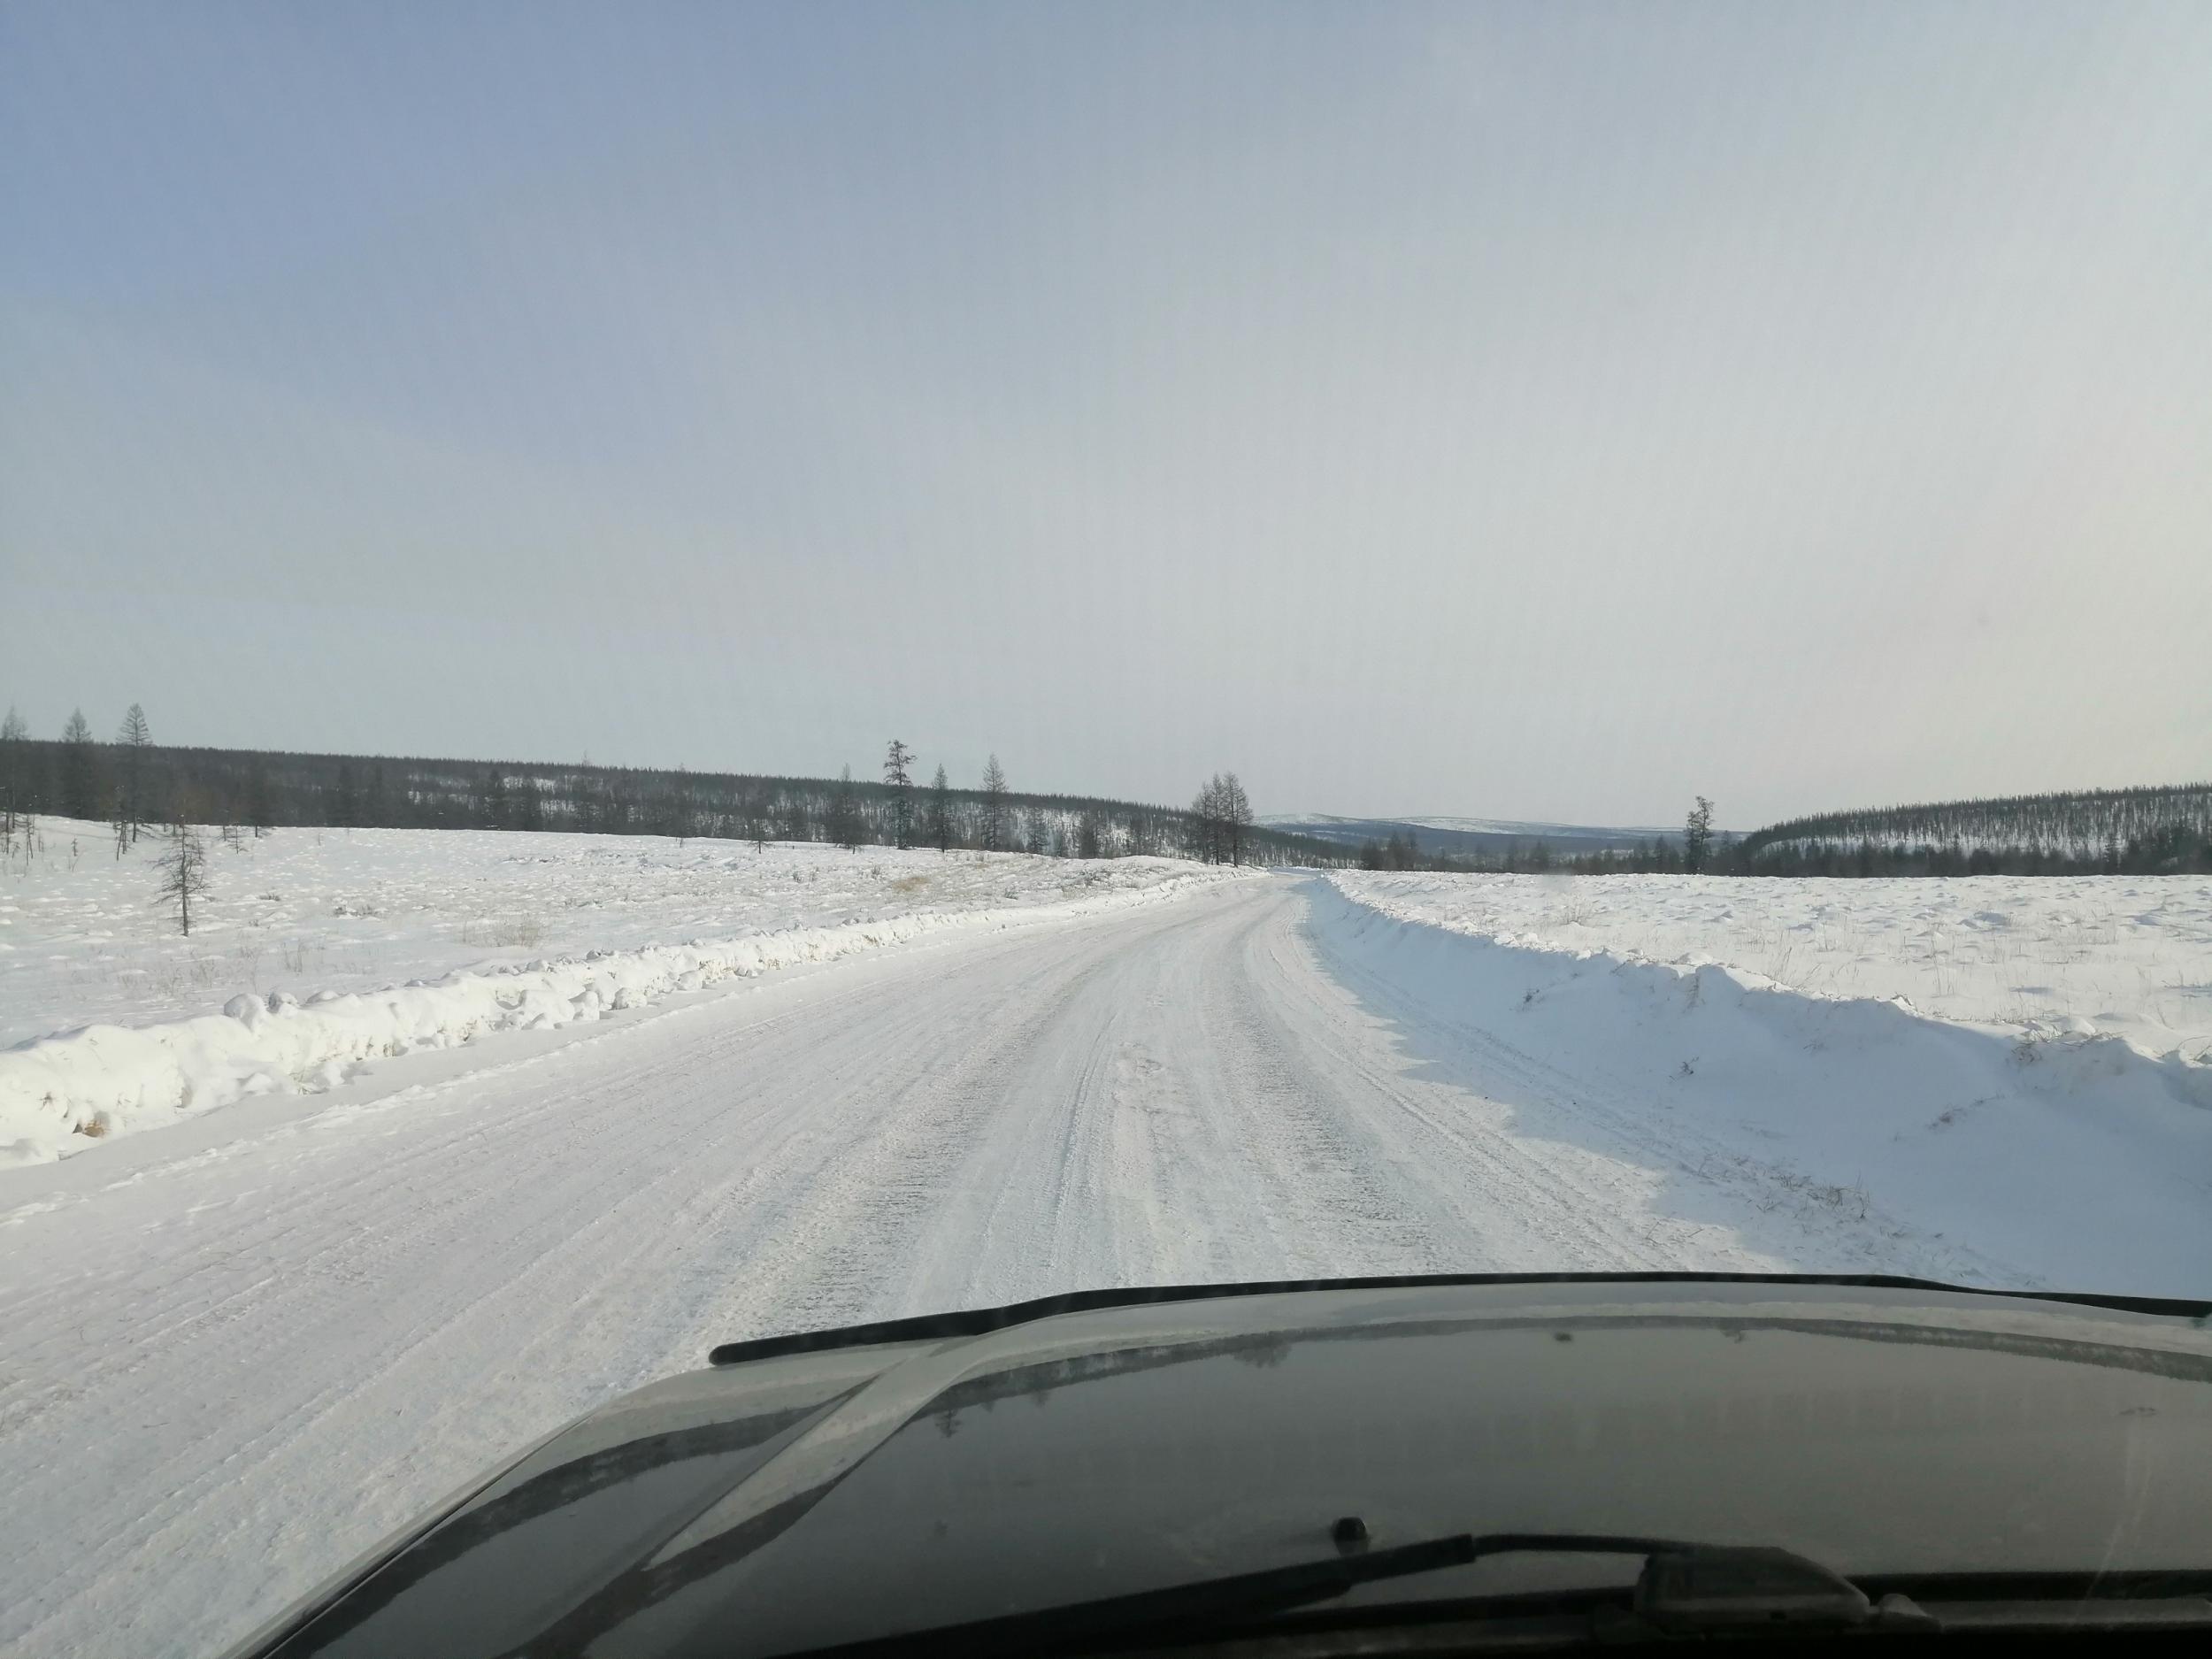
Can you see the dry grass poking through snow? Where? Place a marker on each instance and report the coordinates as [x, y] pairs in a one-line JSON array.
[[517, 933]]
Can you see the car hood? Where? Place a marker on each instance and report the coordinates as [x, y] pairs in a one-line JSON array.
[[993, 1464]]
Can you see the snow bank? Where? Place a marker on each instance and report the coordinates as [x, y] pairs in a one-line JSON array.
[[2126, 956], [83, 939], [61, 1093], [2017, 1155]]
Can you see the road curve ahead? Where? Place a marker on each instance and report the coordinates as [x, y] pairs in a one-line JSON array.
[[236, 1357]]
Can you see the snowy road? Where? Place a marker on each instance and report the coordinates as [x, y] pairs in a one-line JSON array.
[[240, 1350]]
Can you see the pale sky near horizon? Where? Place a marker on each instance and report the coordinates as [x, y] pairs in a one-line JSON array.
[[1528, 411]]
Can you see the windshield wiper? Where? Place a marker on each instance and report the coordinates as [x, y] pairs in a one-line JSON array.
[[1208, 1601], [1684, 1588]]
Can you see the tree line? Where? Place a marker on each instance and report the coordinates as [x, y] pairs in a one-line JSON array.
[[131, 782], [2164, 829], [1660, 855]]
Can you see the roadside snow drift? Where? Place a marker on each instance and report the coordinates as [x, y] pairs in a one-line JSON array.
[[84, 939], [2042, 1153], [2128, 957], [65, 1093]]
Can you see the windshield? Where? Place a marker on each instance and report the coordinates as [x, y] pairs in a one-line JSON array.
[[671, 676]]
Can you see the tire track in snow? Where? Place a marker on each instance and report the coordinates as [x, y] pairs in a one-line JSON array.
[[1637, 1132], [275, 1354]]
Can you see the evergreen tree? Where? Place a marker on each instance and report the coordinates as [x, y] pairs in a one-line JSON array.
[[1697, 836], [940, 811], [679, 810], [797, 826], [341, 805], [994, 825], [897, 773], [845, 812], [14, 734], [260, 802], [80, 769]]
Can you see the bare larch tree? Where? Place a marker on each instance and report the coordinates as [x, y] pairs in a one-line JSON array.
[[133, 738], [182, 868], [1236, 815]]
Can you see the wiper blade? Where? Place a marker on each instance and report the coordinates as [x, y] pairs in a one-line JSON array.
[[1208, 1601], [1685, 1588]]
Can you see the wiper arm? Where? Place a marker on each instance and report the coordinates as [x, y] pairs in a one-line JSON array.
[[1208, 1601], [1683, 1588]]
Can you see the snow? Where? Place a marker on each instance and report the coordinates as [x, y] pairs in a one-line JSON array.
[[2064, 1150], [2040, 956], [303, 944], [82, 940], [272, 1332]]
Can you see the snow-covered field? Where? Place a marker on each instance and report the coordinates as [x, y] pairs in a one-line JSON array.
[[236, 1350], [318, 952], [2012, 1077], [2126, 956]]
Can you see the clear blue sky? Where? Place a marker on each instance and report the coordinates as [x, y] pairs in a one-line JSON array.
[[1537, 410]]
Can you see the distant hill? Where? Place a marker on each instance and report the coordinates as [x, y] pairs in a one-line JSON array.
[[2162, 827], [253, 786], [1463, 837]]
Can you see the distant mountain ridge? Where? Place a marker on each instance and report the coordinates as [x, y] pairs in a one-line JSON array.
[[1465, 835]]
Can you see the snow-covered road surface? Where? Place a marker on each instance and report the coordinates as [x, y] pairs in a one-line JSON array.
[[239, 1350]]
